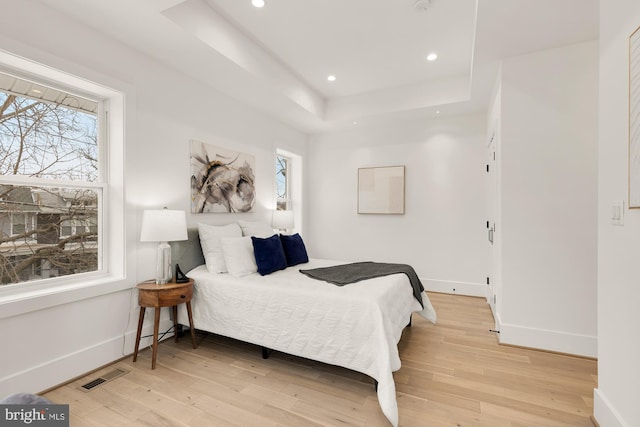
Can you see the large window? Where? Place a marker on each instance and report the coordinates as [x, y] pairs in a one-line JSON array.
[[51, 185]]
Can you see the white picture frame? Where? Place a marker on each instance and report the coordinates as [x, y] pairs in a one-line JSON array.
[[381, 190]]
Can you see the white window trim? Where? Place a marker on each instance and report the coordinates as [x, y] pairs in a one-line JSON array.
[[294, 185], [27, 227], [287, 179], [30, 296]]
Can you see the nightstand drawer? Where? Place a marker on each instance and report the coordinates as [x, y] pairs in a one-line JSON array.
[[171, 297], [167, 295]]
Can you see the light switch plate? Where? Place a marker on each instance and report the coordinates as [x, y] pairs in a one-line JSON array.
[[617, 212]]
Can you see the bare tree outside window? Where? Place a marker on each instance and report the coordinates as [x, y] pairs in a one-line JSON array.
[[47, 230]]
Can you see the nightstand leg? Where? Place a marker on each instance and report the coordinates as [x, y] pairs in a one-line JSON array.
[[156, 326], [193, 333], [140, 321], [175, 321]]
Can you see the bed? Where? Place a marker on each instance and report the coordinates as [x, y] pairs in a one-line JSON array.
[[357, 326]]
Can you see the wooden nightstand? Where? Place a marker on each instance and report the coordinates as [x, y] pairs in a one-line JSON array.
[[158, 296]]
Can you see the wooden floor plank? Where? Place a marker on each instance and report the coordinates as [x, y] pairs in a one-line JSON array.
[[453, 374]]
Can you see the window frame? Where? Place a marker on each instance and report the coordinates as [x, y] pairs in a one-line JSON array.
[[111, 275], [25, 224], [295, 185], [99, 187], [287, 182]]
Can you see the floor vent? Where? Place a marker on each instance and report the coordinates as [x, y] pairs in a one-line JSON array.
[[94, 383], [103, 379]]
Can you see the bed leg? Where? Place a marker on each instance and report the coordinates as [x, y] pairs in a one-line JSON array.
[[409, 325], [375, 385], [266, 352]]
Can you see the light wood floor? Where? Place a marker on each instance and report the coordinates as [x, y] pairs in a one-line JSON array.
[[453, 374]]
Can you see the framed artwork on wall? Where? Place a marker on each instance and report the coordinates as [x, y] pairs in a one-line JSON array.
[[381, 190], [634, 119], [222, 180]]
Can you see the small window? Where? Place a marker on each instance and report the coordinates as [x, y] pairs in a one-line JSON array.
[[282, 182], [18, 225]]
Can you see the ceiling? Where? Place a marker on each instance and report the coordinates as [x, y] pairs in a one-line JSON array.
[[21, 87], [277, 58]]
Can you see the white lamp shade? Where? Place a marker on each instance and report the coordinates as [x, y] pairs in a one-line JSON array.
[[163, 226], [282, 220]]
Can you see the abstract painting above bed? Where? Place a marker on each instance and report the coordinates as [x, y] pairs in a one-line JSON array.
[[222, 180]]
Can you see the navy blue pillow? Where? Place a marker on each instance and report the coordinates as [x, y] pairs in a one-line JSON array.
[[269, 254], [294, 249]]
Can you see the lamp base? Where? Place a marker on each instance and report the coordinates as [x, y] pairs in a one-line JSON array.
[[163, 263]]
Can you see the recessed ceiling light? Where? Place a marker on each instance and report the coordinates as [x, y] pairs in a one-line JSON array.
[[437, 111], [355, 123], [36, 91], [331, 78], [432, 56], [258, 3]]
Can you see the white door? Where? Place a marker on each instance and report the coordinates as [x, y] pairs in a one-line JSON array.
[[491, 220]]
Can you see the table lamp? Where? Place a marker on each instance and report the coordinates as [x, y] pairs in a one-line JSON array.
[[163, 226], [282, 220]]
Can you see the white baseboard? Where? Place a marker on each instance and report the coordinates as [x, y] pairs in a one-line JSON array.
[[604, 413], [60, 370], [57, 371], [458, 288], [562, 342]]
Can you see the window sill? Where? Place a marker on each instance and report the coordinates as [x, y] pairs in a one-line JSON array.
[[24, 301]]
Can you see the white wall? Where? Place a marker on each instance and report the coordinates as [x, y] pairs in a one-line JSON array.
[[616, 398], [548, 180], [165, 110], [442, 233]]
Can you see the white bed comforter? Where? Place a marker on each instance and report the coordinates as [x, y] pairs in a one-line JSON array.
[[356, 326]]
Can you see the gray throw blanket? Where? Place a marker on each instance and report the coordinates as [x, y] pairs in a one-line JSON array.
[[351, 273]]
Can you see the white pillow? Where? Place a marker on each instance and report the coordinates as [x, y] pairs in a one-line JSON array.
[[211, 248], [256, 228], [238, 255]]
